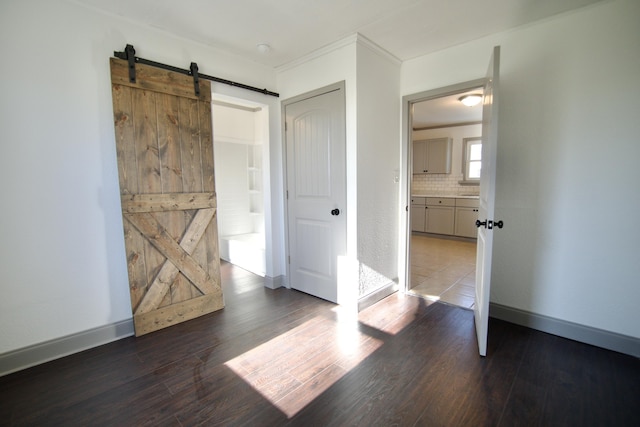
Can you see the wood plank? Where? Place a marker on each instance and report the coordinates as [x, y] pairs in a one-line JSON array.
[[206, 145], [135, 203], [145, 140], [145, 143], [135, 247], [176, 313], [157, 235], [211, 255], [158, 80], [193, 167], [190, 150], [169, 271], [122, 97], [171, 175]]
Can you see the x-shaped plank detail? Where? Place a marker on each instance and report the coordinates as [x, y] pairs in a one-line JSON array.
[[178, 256]]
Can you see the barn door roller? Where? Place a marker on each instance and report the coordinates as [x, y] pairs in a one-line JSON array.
[[129, 54]]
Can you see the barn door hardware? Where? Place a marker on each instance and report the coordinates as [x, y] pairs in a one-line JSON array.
[[129, 54], [194, 72]]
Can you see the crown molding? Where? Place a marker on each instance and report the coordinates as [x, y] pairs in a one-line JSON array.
[[355, 38], [368, 43]]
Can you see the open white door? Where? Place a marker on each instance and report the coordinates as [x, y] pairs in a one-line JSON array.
[[486, 223]]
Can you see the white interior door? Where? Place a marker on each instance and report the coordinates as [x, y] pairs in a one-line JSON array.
[[487, 200], [316, 191]]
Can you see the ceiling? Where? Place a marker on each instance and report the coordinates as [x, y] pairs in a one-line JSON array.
[[294, 28], [446, 111]]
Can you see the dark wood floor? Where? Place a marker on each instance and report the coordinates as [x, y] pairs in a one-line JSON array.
[[280, 357]]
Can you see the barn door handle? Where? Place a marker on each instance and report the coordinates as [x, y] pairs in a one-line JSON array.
[[335, 212]]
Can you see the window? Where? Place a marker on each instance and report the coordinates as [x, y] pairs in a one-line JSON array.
[[471, 160]]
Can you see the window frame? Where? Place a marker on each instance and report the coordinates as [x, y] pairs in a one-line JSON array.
[[466, 146]]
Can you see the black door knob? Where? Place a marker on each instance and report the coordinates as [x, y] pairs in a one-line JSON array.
[[335, 212], [481, 223]]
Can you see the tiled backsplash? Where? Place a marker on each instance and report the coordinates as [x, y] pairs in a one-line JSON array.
[[442, 184]]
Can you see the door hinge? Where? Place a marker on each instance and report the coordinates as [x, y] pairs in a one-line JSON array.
[[285, 126], [289, 259], [287, 194]]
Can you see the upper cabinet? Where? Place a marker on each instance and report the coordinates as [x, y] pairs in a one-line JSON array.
[[432, 156]]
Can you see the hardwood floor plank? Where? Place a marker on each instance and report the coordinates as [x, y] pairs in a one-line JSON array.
[[300, 361], [485, 403], [296, 400]]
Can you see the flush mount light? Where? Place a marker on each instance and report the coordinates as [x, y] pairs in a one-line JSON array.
[[263, 48], [471, 99]]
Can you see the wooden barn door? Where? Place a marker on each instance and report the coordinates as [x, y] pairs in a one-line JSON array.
[[165, 166]]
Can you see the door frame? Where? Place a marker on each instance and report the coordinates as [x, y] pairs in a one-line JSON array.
[[285, 102], [261, 111], [407, 147]]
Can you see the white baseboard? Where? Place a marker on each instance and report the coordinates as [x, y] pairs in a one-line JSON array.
[[36, 354], [273, 282], [598, 337], [377, 295]]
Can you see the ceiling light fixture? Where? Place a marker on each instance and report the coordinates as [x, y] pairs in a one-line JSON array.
[[471, 99], [263, 48]]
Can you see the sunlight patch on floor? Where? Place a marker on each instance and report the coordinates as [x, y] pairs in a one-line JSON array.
[[393, 322], [296, 367]]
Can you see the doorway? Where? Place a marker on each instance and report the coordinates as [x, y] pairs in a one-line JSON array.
[[443, 195], [240, 138], [315, 151]]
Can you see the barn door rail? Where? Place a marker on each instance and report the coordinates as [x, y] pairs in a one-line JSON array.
[[129, 54]]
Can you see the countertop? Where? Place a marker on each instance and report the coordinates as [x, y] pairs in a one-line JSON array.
[[449, 196]]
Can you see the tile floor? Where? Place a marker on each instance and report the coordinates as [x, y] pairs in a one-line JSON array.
[[443, 269]]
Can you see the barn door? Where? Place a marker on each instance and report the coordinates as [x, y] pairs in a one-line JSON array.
[[165, 167]]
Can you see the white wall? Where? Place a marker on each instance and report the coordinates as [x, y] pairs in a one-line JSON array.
[[567, 174], [331, 65], [232, 184], [373, 153], [378, 99], [62, 253]]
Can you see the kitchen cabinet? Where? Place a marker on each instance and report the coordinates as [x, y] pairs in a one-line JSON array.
[[418, 213], [445, 215], [433, 214], [432, 156], [439, 215], [466, 216]]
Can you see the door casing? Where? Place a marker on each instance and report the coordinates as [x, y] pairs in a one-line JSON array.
[[344, 211], [407, 125]]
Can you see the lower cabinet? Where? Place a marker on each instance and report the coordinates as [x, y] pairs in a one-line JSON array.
[[444, 215], [466, 216], [439, 220], [466, 222], [418, 216]]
